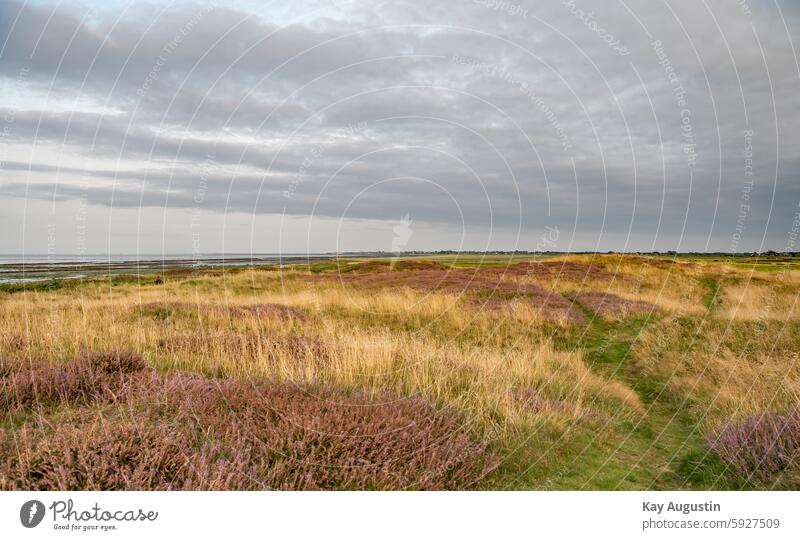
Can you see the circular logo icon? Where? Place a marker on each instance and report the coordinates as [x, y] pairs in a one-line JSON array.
[[31, 513]]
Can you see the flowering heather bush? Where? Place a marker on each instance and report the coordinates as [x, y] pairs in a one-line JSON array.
[[113, 361], [762, 445], [303, 437], [189, 432], [98, 456], [98, 376]]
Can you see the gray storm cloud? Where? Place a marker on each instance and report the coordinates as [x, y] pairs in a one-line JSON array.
[[666, 125]]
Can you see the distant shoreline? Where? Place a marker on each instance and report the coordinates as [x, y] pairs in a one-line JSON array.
[[155, 258], [18, 269]]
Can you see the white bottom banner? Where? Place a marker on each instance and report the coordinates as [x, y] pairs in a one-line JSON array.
[[371, 515]]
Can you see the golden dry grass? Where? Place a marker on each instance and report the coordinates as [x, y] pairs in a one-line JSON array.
[[331, 346], [519, 374], [760, 300], [671, 287]]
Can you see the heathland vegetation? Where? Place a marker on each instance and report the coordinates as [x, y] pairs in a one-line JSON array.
[[566, 372]]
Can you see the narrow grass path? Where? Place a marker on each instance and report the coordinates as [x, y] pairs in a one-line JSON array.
[[662, 450], [713, 296]]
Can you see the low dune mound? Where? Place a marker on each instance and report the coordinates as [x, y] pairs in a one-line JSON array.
[[449, 280], [368, 267], [419, 279], [188, 432], [248, 346], [428, 276], [548, 305], [566, 270], [405, 265], [268, 310], [484, 288], [664, 262], [611, 306], [165, 310], [401, 265], [532, 400]]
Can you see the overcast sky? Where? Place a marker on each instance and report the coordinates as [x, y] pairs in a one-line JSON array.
[[319, 126]]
